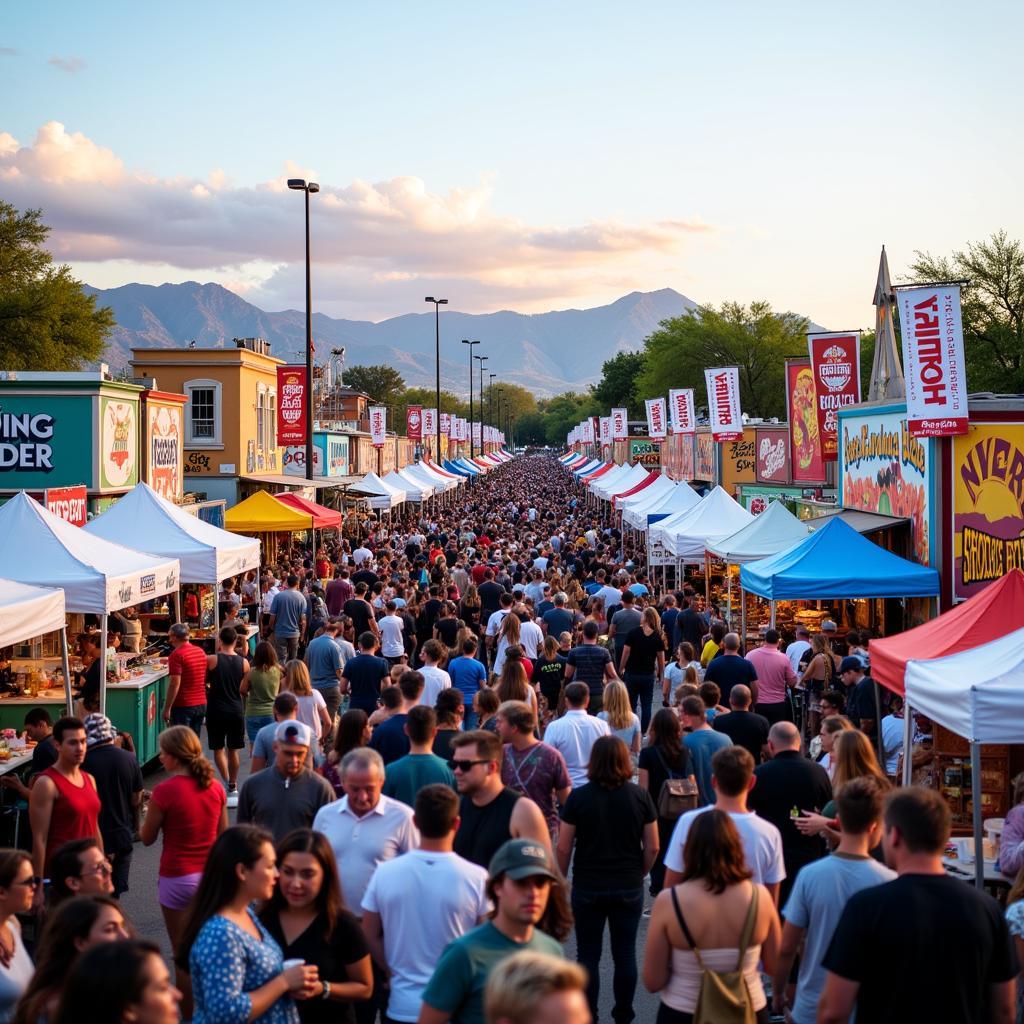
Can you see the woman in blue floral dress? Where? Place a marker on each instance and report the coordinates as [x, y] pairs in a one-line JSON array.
[[237, 970]]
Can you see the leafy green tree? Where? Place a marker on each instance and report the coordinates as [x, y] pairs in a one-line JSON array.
[[518, 400], [992, 306], [384, 384], [563, 412], [617, 386], [47, 322], [530, 429], [754, 338]]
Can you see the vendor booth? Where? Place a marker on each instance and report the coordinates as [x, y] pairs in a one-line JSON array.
[[263, 513], [415, 490], [380, 495], [97, 577]]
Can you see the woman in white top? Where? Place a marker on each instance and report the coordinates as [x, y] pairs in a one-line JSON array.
[[703, 922], [312, 709], [830, 728], [621, 718], [17, 887]]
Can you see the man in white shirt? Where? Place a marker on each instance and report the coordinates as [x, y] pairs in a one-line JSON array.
[[364, 827], [361, 554], [392, 645], [611, 596], [531, 638], [404, 940], [436, 679], [732, 776], [575, 733], [798, 648]]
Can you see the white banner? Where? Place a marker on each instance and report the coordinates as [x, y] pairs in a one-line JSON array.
[[446, 424], [656, 414], [620, 427], [606, 430], [476, 433], [723, 386], [378, 424], [429, 424], [680, 410], [588, 431], [933, 360]]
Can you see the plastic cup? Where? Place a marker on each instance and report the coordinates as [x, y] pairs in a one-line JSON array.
[[296, 962]]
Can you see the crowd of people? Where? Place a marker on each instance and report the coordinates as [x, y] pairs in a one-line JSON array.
[[474, 733]]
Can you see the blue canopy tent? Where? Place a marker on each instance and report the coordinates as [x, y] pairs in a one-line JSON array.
[[453, 467], [468, 467]]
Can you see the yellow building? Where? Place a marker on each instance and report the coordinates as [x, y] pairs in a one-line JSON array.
[[230, 426]]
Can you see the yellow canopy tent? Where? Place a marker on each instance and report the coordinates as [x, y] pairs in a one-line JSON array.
[[263, 513]]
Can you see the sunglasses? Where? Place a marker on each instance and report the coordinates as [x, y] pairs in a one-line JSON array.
[[464, 766]]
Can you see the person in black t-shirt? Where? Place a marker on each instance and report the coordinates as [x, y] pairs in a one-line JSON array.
[[730, 668], [956, 959], [743, 726], [225, 711], [39, 729], [365, 675], [359, 610]]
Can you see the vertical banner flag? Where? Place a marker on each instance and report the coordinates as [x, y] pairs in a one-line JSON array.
[[588, 431], [476, 433], [429, 424], [446, 424], [680, 410], [291, 406], [724, 403], [414, 422], [606, 430], [620, 429], [835, 364], [656, 426], [806, 463], [933, 360], [378, 424]]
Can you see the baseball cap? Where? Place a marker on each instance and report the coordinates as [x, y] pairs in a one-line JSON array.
[[522, 858], [292, 731], [851, 663], [828, 626]]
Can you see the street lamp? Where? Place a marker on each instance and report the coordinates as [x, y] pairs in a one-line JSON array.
[[308, 187], [490, 397], [466, 341], [481, 360], [438, 303]]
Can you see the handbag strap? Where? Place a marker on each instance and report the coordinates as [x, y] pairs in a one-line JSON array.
[[664, 764], [686, 931], [748, 927]]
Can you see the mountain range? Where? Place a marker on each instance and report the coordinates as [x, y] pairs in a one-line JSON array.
[[547, 353]]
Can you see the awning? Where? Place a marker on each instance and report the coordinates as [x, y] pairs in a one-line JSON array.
[[27, 611], [263, 513], [774, 530], [323, 518], [717, 515], [287, 480]]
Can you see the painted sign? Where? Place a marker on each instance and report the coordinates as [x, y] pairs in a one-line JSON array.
[[806, 463], [933, 360], [677, 456], [756, 499], [119, 443], [295, 460], [606, 430], [291, 405], [772, 456], [333, 452], [723, 386], [165, 465], [739, 460], [704, 457], [988, 505], [446, 424], [884, 468], [646, 453], [835, 365], [26, 442], [429, 425], [67, 503], [414, 422]]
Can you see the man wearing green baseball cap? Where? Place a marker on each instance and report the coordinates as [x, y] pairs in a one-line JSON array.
[[531, 911]]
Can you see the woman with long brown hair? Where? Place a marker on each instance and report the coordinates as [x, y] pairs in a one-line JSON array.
[[353, 731], [508, 636], [17, 887], [716, 919], [513, 684], [820, 675], [643, 662]]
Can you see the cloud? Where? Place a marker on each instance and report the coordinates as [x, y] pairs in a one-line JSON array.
[[376, 246], [8, 51], [72, 65]]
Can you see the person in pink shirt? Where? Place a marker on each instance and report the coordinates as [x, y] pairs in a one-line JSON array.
[[774, 675]]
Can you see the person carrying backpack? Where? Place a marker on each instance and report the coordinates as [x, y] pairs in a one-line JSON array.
[[708, 933]]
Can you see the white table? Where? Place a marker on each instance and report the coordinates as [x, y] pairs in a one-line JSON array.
[[16, 761]]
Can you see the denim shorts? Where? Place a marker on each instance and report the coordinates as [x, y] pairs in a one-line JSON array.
[[253, 724]]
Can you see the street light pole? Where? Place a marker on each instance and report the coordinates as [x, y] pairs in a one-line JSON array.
[[481, 360], [490, 397], [466, 341], [308, 187], [438, 303]]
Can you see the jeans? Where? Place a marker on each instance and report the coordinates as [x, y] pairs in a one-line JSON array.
[[253, 724], [621, 910], [666, 826], [121, 862], [470, 719], [332, 698], [287, 648], [640, 687], [192, 717]]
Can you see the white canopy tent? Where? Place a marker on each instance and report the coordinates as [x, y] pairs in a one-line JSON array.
[[679, 499], [379, 494], [774, 530], [612, 476], [634, 475], [27, 612], [443, 481], [97, 576], [718, 515], [415, 490], [422, 475], [662, 486]]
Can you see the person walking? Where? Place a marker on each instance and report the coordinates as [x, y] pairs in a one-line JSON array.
[[609, 834], [435, 679], [389, 738], [642, 661], [731, 668], [590, 664], [324, 661], [185, 703], [716, 920], [288, 619], [467, 675], [364, 675], [404, 778], [702, 742], [743, 726], [775, 678], [259, 688], [311, 707], [225, 712], [575, 733]]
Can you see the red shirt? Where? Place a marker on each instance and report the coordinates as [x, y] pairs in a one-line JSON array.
[[477, 572], [191, 817], [189, 662], [76, 811]]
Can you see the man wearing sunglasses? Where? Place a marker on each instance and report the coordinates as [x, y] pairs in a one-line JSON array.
[[80, 868], [490, 812]]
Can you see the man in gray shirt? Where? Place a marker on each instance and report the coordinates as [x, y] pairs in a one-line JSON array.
[[286, 795], [625, 619], [288, 619]]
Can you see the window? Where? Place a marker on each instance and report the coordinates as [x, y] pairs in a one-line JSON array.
[[203, 413], [270, 443], [261, 416]]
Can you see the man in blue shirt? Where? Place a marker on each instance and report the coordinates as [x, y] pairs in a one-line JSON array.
[[390, 739], [468, 675], [323, 658], [288, 619], [559, 620], [701, 742], [365, 674]]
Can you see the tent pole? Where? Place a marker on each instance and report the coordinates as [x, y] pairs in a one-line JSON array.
[[707, 583], [103, 664], [68, 699], [743, 621], [216, 608], [979, 851], [728, 614], [177, 604], [908, 741], [773, 614]]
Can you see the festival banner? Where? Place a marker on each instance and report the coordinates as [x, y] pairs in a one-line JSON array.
[[988, 505], [446, 424], [933, 360], [806, 463], [723, 386], [378, 424], [429, 424], [704, 457], [656, 411], [739, 460], [67, 503], [476, 433], [620, 429], [606, 430], [835, 364], [772, 456], [291, 405], [680, 410], [414, 422]]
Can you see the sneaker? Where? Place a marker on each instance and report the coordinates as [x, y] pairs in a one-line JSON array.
[[233, 796]]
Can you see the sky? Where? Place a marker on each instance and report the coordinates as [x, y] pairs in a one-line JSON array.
[[527, 156]]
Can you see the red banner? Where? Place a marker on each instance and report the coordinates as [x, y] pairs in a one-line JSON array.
[[68, 503], [806, 462], [772, 456], [291, 406], [414, 422], [835, 363]]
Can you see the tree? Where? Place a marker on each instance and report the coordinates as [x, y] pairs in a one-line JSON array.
[[617, 386], [992, 306], [518, 400], [382, 383], [531, 429], [563, 412], [754, 338], [47, 322]]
